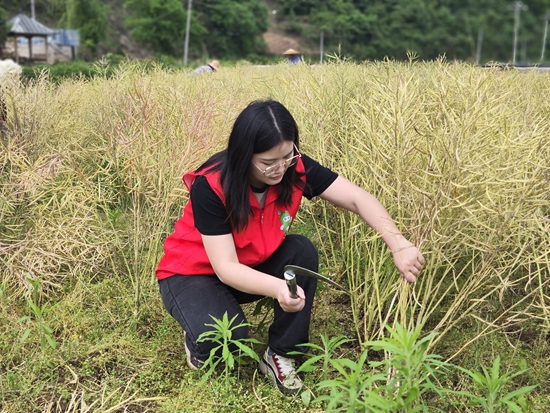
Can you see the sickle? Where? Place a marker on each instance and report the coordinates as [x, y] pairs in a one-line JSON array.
[[290, 277]]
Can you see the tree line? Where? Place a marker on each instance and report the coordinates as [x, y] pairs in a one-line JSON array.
[[467, 30], [458, 29]]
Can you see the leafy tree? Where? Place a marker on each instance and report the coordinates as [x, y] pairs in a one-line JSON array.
[[299, 7], [345, 25], [234, 28], [496, 19], [3, 28], [89, 17], [218, 27], [373, 29], [160, 24], [427, 28]]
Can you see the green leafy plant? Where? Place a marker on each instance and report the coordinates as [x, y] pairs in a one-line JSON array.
[[37, 318], [395, 384], [350, 391], [492, 384], [319, 362], [407, 373], [228, 350], [411, 370], [266, 304], [329, 345], [34, 289]]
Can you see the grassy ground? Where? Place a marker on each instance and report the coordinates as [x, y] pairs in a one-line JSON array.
[[108, 360]]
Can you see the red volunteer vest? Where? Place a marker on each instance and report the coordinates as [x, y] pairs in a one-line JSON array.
[[184, 252]]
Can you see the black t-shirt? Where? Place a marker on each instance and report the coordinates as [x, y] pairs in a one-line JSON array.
[[209, 211]]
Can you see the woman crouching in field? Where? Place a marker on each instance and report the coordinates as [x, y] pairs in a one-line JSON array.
[[232, 242]]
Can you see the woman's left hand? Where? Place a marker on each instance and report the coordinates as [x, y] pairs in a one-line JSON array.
[[409, 261]]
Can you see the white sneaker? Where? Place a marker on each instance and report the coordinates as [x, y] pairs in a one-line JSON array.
[[193, 362], [282, 372]]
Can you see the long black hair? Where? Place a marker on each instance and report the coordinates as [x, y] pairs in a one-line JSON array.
[[262, 125]]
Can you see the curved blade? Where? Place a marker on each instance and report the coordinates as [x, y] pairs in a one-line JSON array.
[[304, 271]]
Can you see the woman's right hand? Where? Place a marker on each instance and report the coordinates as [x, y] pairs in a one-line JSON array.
[[289, 304]]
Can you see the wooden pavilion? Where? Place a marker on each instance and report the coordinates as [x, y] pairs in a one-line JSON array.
[[23, 26]]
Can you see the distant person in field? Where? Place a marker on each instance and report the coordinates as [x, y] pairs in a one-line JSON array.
[[211, 67], [232, 242], [293, 56]]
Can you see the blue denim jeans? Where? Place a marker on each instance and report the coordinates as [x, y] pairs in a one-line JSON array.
[[191, 300]]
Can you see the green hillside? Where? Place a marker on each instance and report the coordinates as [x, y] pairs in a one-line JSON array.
[[255, 30]]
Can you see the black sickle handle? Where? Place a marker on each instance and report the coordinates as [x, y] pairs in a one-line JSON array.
[[290, 279]]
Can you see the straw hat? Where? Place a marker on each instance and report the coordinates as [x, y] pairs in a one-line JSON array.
[[290, 52], [214, 64]]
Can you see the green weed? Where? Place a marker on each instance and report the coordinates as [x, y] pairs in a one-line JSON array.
[[492, 386], [407, 379], [322, 360], [37, 319], [398, 383], [228, 351]]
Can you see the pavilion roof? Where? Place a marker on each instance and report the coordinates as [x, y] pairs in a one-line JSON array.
[[22, 25]]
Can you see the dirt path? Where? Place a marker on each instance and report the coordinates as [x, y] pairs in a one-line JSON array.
[[278, 40]]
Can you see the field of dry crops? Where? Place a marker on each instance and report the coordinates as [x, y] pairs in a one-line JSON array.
[[90, 185]]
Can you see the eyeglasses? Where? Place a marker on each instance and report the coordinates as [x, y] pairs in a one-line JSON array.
[[271, 170]]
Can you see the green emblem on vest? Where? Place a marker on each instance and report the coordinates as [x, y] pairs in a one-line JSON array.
[[286, 220]]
